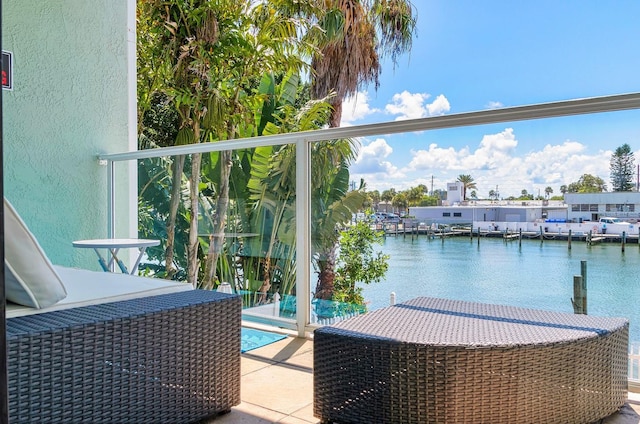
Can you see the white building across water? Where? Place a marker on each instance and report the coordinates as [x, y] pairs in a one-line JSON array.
[[593, 206], [584, 209]]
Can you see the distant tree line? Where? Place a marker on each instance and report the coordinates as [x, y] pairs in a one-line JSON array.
[[622, 172]]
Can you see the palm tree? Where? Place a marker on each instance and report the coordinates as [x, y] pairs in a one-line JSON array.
[[360, 33], [467, 183], [548, 191], [413, 196], [388, 195]]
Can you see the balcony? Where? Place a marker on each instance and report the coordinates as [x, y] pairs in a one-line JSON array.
[[278, 379]]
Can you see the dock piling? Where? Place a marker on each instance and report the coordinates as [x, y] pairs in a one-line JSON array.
[[520, 237], [579, 300]]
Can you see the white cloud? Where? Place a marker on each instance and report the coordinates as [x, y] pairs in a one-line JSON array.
[[494, 162], [413, 105], [494, 105], [439, 106], [355, 108], [372, 159], [494, 151]]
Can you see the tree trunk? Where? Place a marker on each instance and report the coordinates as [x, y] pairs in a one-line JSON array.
[[194, 190], [174, 202], [326, 276], [220, 220], [336, 113], [266, 283]]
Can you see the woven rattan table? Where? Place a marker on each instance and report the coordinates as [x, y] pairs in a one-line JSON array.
[[445, 361], [165, 359]]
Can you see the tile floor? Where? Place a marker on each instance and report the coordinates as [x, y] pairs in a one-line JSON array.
[[277, 387]]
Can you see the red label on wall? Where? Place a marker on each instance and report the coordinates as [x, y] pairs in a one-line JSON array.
[[7, 70]]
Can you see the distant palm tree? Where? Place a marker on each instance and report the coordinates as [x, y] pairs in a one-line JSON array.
[[548, 191], [467, 183]]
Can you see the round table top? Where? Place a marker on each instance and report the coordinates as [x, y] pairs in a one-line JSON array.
[[446, 322], [115, 243]]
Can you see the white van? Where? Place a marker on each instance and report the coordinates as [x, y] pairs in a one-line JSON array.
[[612, 220]]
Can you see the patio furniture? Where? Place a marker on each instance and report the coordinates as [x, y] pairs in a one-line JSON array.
[[445, 361], [113, 246], [171, 358], [96, 347]]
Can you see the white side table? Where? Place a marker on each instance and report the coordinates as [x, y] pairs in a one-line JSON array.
[[113, 246]]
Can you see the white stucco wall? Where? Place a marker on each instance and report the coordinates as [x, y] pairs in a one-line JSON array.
[[71, 101]]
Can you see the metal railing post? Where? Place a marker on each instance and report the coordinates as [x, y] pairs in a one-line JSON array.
[[111, 199], [303, 235]]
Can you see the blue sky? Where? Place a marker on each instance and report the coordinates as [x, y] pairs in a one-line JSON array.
[[477, 55]]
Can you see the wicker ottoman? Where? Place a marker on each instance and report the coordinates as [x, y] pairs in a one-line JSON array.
[[171, 358], [444, 361]]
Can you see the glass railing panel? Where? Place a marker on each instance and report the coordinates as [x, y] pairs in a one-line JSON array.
[[245, 225], [336, 201], [428, 240]]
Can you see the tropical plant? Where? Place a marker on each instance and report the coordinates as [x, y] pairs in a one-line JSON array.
[[359, 34], [374, 197], [332, 205], [208, 57], [467, 183], [547, 192], [358, 263], [388, 195], [400, 202], [622, 167], [272, 182], [413, 196]]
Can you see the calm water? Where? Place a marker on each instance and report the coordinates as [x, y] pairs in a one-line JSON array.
[[535, 275]]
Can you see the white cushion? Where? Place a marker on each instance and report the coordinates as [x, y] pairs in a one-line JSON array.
[[30, 278], [95, 287]]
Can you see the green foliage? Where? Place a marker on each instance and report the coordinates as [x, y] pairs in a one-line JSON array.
[[388, 195], [587, 183], [622, 167], [154, 181], [358, 263], [159, 125], [428, 201]]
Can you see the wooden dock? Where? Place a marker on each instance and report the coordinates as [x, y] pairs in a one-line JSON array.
[[398, 229]]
